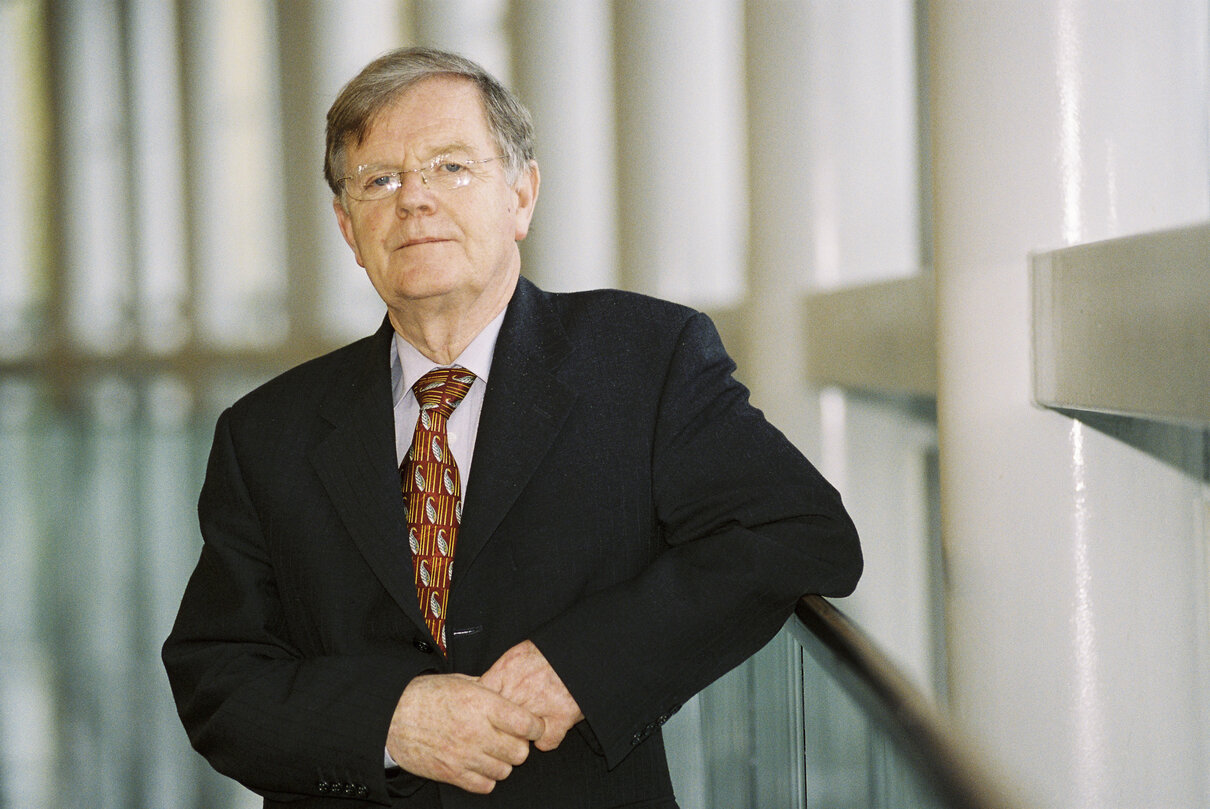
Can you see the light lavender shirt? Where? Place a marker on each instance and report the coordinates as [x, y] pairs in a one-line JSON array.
[[408, 365]]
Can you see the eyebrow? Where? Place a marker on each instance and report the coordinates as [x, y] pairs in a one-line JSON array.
[[447, 149], [457, 146]]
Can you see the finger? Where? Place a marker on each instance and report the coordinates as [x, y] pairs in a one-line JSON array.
[[509, 750], [514, 666], [550, 741], [510, 718], [504, 677], [443, 729], [533, 688], [492, 680], [489, 766], [556, 732], [474, 782]]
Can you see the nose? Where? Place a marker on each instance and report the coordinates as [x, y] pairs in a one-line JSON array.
[[415, 195]]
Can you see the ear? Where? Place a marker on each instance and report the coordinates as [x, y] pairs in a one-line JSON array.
[[345, 220], [526, 189]]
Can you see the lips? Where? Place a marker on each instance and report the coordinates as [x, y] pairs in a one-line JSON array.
[[422, 240]]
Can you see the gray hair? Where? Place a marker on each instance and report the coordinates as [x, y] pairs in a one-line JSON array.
[[382, 81]]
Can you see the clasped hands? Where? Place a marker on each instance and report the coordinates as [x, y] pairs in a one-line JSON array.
[[472, 731]]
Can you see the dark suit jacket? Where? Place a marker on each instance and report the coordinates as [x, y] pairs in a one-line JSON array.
[[627, 510]]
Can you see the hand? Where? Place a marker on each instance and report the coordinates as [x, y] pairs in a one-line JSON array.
[[449, 728], [523, 676]]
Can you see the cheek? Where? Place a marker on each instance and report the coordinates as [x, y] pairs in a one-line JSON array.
[[355, 244], [369, 236]]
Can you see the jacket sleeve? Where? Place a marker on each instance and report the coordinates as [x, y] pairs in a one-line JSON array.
[[261, 712], [749, 526]]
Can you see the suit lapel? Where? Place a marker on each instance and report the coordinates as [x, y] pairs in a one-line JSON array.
[[523, 409], [356, 464]]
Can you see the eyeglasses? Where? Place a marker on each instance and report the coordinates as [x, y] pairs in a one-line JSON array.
[[443, 172]]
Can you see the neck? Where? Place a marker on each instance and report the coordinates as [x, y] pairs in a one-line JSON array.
[[442, 333]]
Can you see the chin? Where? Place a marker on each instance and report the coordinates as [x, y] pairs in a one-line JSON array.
[[417, 283]]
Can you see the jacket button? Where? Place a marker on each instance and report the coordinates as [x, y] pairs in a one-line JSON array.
[[423, 646]]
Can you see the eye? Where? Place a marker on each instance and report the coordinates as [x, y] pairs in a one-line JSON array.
[[381, 179], [375, 177], [451, 167]]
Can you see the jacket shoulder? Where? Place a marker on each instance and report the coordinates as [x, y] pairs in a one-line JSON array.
[[620, 313], [619, 302]]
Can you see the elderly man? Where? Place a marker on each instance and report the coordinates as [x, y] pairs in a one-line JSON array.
[[478, 558]]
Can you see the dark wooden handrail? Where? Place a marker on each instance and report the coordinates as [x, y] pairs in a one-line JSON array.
[[931, 745]]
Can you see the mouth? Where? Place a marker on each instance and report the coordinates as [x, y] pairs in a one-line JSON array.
[[422, 240]]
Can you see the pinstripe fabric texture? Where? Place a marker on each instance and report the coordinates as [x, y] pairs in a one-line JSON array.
[[433, 490]]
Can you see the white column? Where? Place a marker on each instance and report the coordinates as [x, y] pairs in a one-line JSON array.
[[92, 163], [24, 162], [1077, 601], [236, 161], [779, 49], [158, 190], [860, 142], [347, 36], [682, 159], [472, 28], [564, 67], [844, 123]]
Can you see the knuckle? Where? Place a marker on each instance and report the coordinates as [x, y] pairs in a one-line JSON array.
[[518, 755], [479, 785]]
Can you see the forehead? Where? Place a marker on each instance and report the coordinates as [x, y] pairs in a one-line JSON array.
[[430, 116]]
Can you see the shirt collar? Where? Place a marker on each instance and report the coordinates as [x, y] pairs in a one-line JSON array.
[[408, 364]]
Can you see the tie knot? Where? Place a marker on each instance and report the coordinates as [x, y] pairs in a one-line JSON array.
[[441, 389]]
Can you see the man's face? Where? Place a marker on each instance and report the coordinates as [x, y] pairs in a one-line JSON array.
[[427, 247]]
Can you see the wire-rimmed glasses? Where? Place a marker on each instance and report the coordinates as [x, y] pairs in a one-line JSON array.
[[374, 182]]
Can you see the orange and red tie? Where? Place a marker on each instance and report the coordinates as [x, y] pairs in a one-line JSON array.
[[433, 492]]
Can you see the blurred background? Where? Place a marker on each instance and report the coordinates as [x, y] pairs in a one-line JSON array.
[[857, 192]]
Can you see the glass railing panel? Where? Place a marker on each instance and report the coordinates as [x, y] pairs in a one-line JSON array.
[[835, 743], [893, 780], [98, 532], [870, 738]]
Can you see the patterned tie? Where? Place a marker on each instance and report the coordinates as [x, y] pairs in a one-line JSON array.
[[433, 492]]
